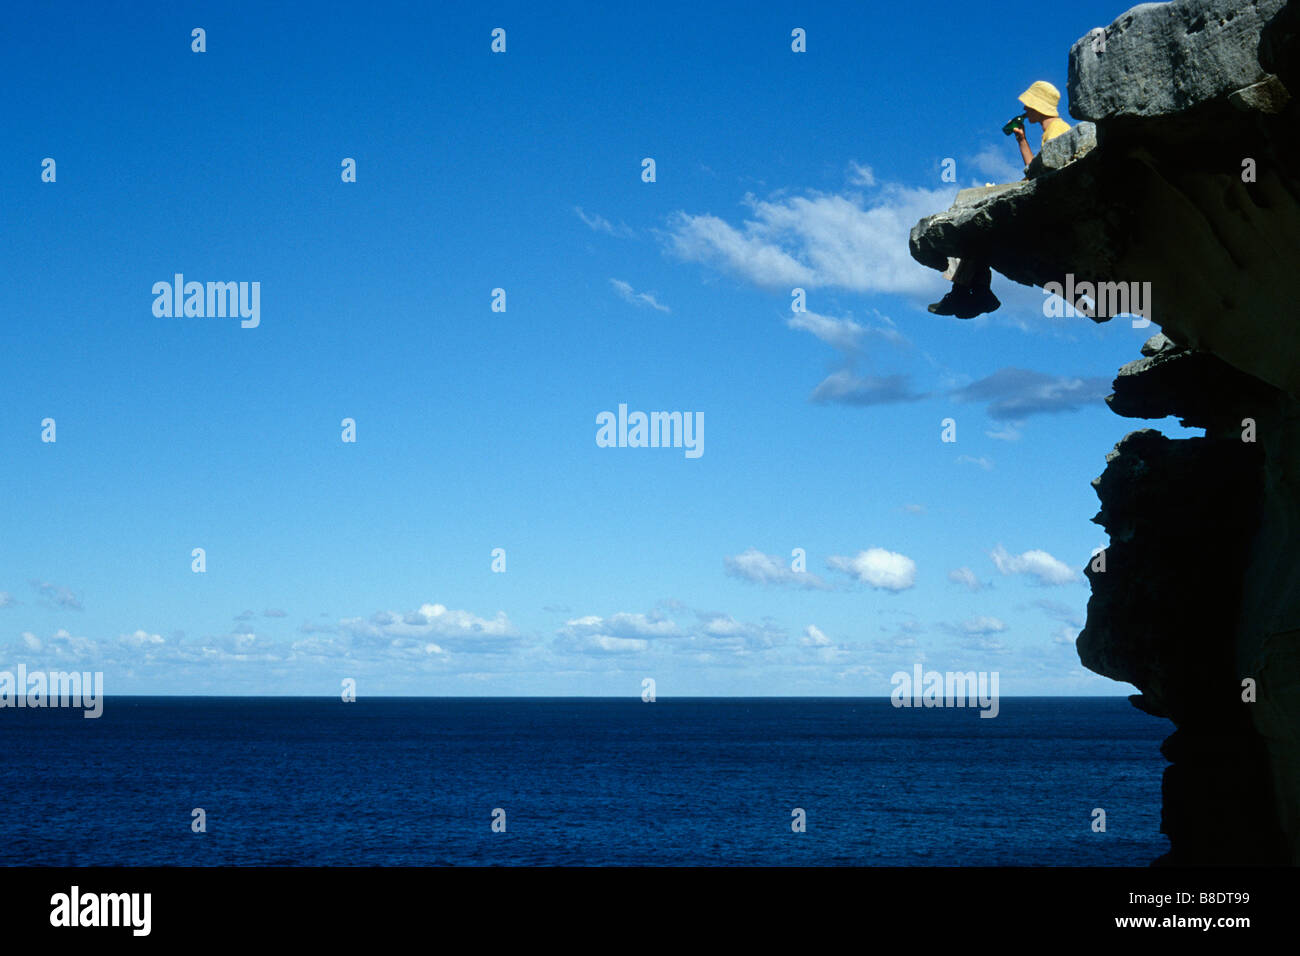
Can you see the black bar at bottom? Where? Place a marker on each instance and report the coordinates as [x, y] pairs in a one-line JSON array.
[[657, 906]]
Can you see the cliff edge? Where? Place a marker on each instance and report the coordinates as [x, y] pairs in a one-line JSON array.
[[1184, 173]]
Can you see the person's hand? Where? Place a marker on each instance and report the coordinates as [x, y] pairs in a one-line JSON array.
[[1020, 133]]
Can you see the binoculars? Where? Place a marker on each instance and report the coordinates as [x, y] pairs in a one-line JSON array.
[[1013, 124]]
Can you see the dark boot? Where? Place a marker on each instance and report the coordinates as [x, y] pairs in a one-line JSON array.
[[981, 298], [954, 303], [977, 303]]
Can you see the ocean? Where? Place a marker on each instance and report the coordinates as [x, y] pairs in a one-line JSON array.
[[580, 781]]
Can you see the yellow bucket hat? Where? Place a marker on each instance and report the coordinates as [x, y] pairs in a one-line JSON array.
[[1042, 96]]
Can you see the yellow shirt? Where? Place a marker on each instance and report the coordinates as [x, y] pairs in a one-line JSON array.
[[1054, 127]]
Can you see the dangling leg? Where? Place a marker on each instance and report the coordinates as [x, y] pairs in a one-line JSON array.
[[981, 297], [956, 299], [972, 292]]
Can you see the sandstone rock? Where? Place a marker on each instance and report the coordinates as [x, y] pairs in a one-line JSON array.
[[1166, 58], [1162, 616], [1064, 149], [1202, 390], [1156, 344], [1279, 46], [1193, 186], [1163, 198], [1267, 96]]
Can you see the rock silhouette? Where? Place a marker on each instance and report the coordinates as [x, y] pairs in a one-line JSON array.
[[1184, 172]]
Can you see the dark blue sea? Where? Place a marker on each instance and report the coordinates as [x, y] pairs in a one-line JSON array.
[[393, 781]]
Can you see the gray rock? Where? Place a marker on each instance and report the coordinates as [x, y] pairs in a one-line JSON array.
[[1157, 343], [1161, 58], [1279, 47], [1267, 96], [1161, 199], [1064, 149], [1200, 389], [1202, 583], [1180, 514]]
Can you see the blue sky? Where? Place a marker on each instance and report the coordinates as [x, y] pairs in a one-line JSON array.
[[475, 428]]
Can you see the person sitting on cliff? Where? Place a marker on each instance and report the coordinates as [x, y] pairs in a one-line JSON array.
[[971, 293]]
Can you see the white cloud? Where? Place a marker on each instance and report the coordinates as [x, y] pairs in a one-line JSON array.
[[360, 642], [64, 645], [985, 644], [843, 334], [848, 388], [966, 576], [57, 595], [993, 165], [983, 625], [725, 632], [859, 671], [625, 625], [319, 647], [860, 175], [848, 337], [703, 632], [985, 463], [614, 645], [846, 334], [601, 224], [817, 241], [6, 599], [813, 637], [1013, 394], [408, 633], [140, 639], [914, 509], [429, 619], [1065, 634], [1009, 432], [620, 633], [723, 625], [1037, 563], [754, 565], [1071, 615], [628, 294], [885, 570], [443, 621]]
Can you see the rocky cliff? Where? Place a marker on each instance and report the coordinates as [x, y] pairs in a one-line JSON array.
[[1185, 174]]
